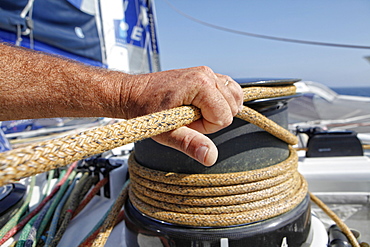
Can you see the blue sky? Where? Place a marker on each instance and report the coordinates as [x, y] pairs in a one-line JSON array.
[[184, 43]]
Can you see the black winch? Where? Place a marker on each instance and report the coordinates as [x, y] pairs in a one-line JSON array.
[[242, 147]]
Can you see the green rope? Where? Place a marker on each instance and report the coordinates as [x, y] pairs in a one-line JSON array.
[[69, 207], [25, 232], [31, 240], [53, 206], [91, 181], [48, 185], [16, 218], [54, 222], [105, 216], [29, 232], [73, 200]]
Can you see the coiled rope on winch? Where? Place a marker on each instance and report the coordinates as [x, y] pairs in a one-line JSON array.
[[215, 200], [48, 155]]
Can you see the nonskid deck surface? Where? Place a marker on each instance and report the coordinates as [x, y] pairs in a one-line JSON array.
[[356, 216]]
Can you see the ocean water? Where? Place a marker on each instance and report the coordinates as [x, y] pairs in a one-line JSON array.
[[356, 91]]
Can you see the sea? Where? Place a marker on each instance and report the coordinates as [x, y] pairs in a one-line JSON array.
[[355, 91]]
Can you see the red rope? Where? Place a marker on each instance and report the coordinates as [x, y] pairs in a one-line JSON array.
[[91, 194], [21, 224], [89, 241]]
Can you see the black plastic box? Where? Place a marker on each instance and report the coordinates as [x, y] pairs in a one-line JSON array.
[[334, 143]]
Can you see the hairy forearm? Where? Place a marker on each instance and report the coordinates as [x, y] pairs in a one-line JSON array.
[[35, 85]]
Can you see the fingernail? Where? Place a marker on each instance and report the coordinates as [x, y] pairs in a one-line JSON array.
[[201, 153]]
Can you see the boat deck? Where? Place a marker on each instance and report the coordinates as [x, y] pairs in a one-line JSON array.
[[343, 184], [355, 216]]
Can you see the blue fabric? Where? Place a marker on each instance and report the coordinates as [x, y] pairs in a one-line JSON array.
[[55, 23], [10, 37], [76, 3], [4, 143]]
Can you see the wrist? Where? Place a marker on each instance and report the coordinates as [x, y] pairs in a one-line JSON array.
[[110, 90]]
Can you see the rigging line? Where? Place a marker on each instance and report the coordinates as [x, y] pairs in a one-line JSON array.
[[262, 36], [35, 211]]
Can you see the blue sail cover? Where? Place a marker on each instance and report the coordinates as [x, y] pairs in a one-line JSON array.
[[53, 25], [75, 29], [116, 34]]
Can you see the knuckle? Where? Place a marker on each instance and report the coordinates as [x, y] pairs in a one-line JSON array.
[[205, 75], [205, 86], [186, 143], [228, 78], [228, 121], [205, 69], [218, 125]]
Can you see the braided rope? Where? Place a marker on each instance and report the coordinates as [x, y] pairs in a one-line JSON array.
[[268, 125], [183, 199], [208, 191], [32, 235], [345, 229], [57, 213], [69, 207], [27, 229], [112, 218], [219, 220], [253, 93], [90, 196], [24, 221], [47, 155], [245, 197], [87, 242], [210, 209], [16, 218], [209, 180], [49, 214]]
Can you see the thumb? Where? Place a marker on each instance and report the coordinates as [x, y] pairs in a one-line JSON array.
[[190, 142]]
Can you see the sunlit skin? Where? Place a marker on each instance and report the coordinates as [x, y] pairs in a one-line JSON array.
[[37, 85]]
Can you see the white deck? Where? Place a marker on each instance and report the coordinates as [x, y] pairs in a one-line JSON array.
[[336, 174], [343, 183]]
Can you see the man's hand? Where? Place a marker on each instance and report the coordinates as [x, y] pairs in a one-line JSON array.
[[218, 97]]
